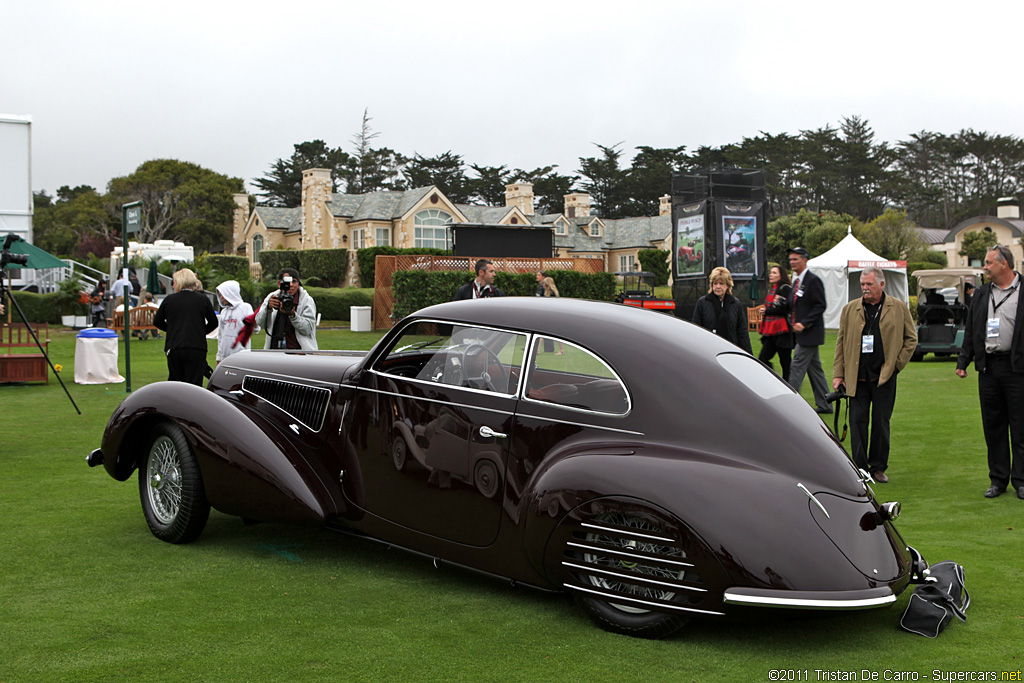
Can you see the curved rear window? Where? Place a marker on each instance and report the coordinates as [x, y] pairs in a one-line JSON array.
[[755, 376], [568, 375]]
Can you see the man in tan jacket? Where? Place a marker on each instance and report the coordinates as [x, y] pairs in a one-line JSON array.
[[876, 338]]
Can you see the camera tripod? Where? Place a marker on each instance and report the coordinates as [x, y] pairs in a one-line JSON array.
[[4, 294]]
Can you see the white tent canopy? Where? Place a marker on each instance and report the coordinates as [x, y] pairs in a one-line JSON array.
[[839, 268]]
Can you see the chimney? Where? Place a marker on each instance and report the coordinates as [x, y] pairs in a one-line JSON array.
[[1008, 207], [665, 205], [238, 220], [520, 195], [577, 205], [316, 190]]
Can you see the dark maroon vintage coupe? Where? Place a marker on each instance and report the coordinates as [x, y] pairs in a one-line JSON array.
[[635, 460]]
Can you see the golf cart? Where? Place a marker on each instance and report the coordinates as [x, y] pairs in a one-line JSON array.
[[942, 309], [638, 290]]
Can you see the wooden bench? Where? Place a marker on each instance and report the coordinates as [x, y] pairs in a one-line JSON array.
[[20, 366], [754, 317], [139, 318]]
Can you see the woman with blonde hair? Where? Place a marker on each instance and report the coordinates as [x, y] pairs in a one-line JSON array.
[[722, 313], [548, 283], [187, 317]]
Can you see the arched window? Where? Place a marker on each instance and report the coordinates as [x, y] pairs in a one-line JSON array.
[[257, 247], [431, 229]]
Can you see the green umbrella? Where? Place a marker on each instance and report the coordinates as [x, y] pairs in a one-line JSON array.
[[37, 258], [153, 280]]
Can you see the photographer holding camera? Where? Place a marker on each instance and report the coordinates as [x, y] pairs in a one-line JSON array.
[[288, 314], [876, 338]]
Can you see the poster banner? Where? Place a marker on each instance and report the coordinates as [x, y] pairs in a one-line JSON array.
[[739, 236], [690, 243]]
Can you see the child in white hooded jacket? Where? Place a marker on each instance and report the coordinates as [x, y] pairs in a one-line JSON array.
[[232, 311]]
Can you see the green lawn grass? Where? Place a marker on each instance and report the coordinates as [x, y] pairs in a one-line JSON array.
[[87, 593]]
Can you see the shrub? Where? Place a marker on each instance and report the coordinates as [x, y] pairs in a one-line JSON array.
[[367, 259], [326, 265], [416, 289], [273, 261], [38, 308], [655, 261], [226, 267], [334, 303]]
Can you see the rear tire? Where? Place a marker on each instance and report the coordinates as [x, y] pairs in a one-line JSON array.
[[623, 618], [171, 487]]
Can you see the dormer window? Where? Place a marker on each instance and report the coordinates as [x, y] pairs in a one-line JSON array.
[[559, 228], [595, 229]]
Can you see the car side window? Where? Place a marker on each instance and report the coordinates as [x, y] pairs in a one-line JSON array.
[[568, 375], [457, 355]]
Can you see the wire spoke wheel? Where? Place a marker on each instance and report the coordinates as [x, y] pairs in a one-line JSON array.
[[171, 487], [620, 546]]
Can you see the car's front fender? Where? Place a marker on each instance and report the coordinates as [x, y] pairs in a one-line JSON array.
[[249, 468]]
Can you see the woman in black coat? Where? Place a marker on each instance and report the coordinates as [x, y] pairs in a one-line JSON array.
[[721, 312]]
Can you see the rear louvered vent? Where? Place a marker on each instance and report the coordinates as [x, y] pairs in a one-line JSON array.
[[307, 405], [627, 559]]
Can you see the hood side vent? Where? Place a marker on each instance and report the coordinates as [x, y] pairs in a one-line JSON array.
[[308, 405]]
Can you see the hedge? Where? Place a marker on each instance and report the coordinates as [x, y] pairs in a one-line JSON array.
[[417, 289], [334, 303], [231, 267], [367, 259], [273, 261], [38, 308]]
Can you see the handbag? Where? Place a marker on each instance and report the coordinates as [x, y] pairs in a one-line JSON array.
[[935, 602]]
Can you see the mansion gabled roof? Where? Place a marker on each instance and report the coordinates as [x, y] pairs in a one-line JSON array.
[[617, 233], [386, 205], [281, 219]]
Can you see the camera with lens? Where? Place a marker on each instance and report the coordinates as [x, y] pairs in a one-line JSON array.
[[285, 296], [7, 257], [836, 395]]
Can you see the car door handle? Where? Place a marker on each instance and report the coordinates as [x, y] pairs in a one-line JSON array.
[[486, 431]]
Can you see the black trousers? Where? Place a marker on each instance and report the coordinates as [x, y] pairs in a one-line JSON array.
[[875, 403], [1002, 417], [186, 365], [769, 347]]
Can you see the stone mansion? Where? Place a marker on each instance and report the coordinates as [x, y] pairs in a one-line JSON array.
[[423, 217]]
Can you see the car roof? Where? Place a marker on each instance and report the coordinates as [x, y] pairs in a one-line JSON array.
[[623, 335]]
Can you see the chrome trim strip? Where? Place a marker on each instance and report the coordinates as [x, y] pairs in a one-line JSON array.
[[579, 424], [447, 403], [609, 530], [631, 556], [808, 603], [439, 384], [249, 372], [816, 501], [657, 605], [632, 577]]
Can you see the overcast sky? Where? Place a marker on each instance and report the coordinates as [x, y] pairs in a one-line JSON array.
[[233, 85]]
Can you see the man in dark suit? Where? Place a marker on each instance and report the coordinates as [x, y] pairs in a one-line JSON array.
[[807, 311], [483, 286], [994, 339]]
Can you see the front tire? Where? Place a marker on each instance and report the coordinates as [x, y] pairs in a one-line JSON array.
[[171, 487]]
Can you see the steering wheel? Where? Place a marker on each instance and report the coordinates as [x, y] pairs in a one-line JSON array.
[[479, 354]]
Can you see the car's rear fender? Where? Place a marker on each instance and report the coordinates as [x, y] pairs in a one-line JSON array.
[[758, 523], [249, 468]]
